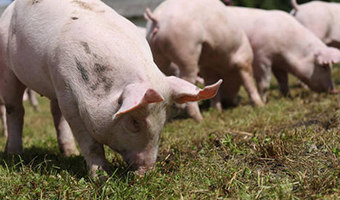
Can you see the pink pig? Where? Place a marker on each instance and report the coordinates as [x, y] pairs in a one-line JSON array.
[[99, 73], [282, 45], [197, 35], [322, 18]]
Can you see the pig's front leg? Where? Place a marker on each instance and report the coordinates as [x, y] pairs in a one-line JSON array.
[[92, 150], [282, 79], [64, 134]]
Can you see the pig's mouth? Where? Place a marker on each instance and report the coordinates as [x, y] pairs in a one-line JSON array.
[[333, 91], [139, 169]]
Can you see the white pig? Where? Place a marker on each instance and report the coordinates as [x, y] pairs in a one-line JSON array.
[[198, 33], [98, 72], [322, 18], [282, 45]]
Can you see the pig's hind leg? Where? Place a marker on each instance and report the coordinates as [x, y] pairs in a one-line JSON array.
[[211, 77], [33, 99], [187, 61], [262, 73], [12, 91], [246, 73], [3, 117]]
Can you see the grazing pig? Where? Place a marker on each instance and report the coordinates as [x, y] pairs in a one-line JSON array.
[[198, 33], [98, 72], [322, 18], [283, 45]]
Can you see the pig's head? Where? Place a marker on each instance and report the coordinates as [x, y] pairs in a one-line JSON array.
[[320, 78], [140, 117]]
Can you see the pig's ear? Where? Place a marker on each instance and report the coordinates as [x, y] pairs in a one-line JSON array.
[[328, 56], [183, 91], [135, 96], [149, 16]]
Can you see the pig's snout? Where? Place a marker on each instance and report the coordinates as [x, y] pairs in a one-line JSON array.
[[142, 170], [334, 91], [141, 162]]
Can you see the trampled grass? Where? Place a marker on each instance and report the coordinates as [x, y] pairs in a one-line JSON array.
[[288, 149]]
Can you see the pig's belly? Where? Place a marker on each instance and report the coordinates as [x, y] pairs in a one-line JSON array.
[[36, 78]]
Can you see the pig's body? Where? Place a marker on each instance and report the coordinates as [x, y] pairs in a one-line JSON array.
[[282, 45], [97, 70], [322, 18], [198, 33]]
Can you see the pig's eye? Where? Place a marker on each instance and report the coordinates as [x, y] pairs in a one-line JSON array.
[[135, 125]]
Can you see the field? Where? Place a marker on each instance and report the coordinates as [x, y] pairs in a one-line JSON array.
[[288, 149]]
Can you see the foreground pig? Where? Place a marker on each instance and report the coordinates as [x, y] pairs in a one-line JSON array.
[[98, 72], [282, 45], [198, 33], [322, 18]]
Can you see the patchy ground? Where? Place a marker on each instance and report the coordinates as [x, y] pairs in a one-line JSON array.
[[287, 150]]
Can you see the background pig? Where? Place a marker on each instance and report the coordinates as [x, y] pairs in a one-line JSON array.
[[322, 18], [282, 45], [98, 72], [198, 33]]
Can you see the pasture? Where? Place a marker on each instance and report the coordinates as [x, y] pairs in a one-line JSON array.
[[288, 149]]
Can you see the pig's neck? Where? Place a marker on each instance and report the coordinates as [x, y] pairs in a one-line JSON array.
[[96, 113], [303, 64]]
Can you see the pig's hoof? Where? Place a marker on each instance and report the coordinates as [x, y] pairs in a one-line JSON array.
[[71, 152], [100, 174], [259, 104], [198, 118]]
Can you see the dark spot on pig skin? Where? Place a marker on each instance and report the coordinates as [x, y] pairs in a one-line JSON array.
[[9, 108], [95, 86], [86, 47], [108, 86], [99, 69], [35, 1], [102, 79], [74, 18], [83, 71]]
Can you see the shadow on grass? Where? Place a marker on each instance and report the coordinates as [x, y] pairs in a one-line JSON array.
[[43, 161]]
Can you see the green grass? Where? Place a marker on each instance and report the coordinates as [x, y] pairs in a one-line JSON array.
[[288, 149]]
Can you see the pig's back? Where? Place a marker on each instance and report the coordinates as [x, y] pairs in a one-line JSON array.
[[198, 21], [68, 39], [274, 30], [322, 18]]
